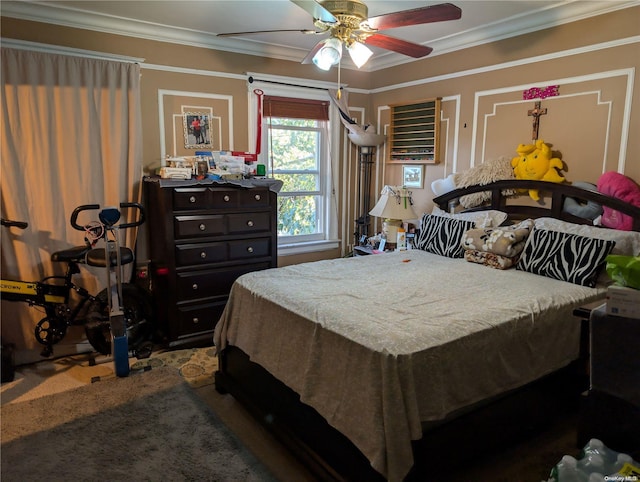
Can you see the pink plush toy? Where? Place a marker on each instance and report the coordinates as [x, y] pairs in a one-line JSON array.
[[622, 187]]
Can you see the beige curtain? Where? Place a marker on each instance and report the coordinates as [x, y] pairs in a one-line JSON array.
[[71, 135]]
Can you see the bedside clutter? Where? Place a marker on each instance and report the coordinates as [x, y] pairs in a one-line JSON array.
[[623, 301]]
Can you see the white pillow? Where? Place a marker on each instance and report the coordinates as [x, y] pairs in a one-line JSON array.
[[627, 242], [483, 219]]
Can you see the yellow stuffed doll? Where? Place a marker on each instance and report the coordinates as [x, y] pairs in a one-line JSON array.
[[534, 162]]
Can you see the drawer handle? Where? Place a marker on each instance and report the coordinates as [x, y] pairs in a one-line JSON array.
[[192, 199], [203, 255], [202, 227], [194, 286], [257, 196], [250, 223], [196, 320], [226, 198], [250, 249]]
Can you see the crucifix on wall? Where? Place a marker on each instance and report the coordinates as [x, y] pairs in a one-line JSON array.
[[536, 113]]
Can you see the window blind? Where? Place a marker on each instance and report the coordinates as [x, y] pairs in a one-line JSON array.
[[292, 108]]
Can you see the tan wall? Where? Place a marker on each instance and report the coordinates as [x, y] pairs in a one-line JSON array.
[[591, 123], [483, 113]]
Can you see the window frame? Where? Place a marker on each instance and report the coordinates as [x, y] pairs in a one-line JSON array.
[[321, 210], [328, 238]]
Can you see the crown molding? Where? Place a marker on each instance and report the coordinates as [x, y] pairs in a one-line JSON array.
[[545, 17]]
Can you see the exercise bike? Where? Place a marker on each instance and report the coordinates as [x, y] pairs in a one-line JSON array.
[[132, 314]]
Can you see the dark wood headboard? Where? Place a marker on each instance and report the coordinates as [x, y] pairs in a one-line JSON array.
[[557, 193]]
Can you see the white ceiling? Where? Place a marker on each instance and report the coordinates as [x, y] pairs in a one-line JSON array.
[[197, 22]]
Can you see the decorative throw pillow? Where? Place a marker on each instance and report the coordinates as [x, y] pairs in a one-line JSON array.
[[482, 219], [627, 242], [506, 241], [443, 236], [564, 256]]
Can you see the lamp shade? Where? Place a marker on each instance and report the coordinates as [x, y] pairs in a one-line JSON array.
[[359, 53], [330, 54], [395, 203]]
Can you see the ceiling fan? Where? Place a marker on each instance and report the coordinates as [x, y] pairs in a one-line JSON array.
[[348, 24]]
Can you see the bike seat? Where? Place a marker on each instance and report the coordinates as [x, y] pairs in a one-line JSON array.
[[75, 254], [97, 257]]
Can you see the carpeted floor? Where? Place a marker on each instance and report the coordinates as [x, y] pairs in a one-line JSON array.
[[148, 426], [195, 365]]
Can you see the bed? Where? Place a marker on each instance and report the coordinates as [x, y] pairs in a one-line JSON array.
[[365, 366]]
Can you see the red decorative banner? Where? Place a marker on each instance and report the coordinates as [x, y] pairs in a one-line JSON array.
[[541, 92]]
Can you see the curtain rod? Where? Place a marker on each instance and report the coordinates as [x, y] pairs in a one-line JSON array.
[[252, 80]]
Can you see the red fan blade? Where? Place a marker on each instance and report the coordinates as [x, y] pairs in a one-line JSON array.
[[397, 45], [234, 34], [309, 58], [317, 11], [416, 16]]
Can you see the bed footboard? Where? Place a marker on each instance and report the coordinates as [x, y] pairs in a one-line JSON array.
[[328, 454], [332, 457]]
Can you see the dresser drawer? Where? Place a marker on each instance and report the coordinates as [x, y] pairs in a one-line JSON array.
[[199, 318], [249, 222], [254, 198], [195, 285], [239, 198], [249, 248], [205, 225], [201, 253], [190, 198], [219, 198]]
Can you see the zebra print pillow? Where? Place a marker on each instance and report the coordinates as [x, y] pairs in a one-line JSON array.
[[567, 257], [443, 236]]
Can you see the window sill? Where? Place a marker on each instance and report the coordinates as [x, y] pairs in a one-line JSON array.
[[307, 247]]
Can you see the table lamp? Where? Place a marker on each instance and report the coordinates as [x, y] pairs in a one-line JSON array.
[[394, 206]]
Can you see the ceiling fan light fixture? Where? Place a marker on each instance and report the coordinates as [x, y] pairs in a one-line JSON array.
[[359, 53], [330, 54]]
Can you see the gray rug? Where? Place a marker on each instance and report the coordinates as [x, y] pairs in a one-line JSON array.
[[148, 426]]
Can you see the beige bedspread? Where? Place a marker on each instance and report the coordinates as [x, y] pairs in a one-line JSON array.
[[379, 344]]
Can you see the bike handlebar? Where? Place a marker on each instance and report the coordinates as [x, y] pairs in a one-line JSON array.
[[141, 214], [95, 207], [14, 224]]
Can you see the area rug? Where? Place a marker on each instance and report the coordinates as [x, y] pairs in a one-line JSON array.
[[148, 426], [196, 365]]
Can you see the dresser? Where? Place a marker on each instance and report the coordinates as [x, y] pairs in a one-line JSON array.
[[202, 235]]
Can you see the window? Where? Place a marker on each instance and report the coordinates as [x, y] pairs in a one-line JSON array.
[[296, 149]]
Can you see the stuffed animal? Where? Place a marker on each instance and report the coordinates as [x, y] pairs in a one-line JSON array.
[[489, 171], [534, 162], [622, 187], [589, 210]]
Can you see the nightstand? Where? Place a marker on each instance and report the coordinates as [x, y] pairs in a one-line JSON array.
[[610, 410]]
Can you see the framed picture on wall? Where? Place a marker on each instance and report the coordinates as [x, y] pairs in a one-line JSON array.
[[197, 131], [413, 176]]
